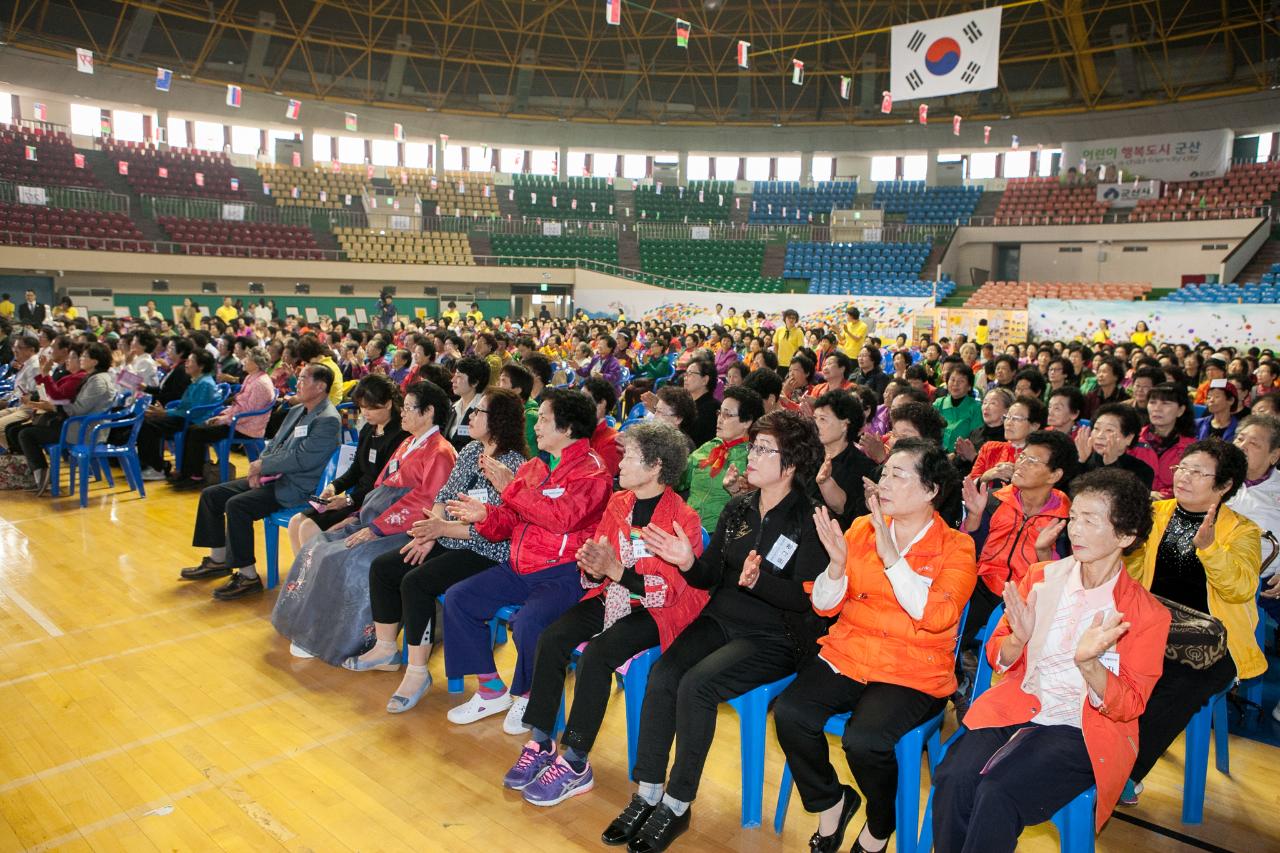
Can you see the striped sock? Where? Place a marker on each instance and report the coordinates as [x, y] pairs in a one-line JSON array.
[[491, 685]]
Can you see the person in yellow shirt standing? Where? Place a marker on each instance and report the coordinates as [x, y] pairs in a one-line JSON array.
[[227, 312], [853, 333], [788, 339], [6, 306], [733, 321], [1103, 335], [476, 316], [982, 334], [451, 314]]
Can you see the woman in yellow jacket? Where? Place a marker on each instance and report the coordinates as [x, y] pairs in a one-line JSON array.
[[1202, 555]]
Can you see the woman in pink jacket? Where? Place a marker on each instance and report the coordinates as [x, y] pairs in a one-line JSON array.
[[256, 393]]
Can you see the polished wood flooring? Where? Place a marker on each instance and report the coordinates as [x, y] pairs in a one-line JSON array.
[[138, 714]]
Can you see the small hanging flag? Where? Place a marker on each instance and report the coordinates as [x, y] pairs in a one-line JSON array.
[[233, 95], [40, 112], [368, 171], [846, 87], [533, 198], [324, 196], [395, 204], [986, 134], [657, 187], [680, 191], [613, 12], [404, 179], [487, 191], [511, 195], [84, 60], [1014, 143], [682, 32], [886, 102], [1084, 164], [593, 207], [296, 159], [31, 153], [266, 189], [744, 54], [350, 122], [444, 141], [720, 200], [105, 125], [435, 183], [122, 167], [784, 211], [924, 113], [164, 79], [199, 179], [573, 203], [79, 161], [235, 185], [346, 199], [296, 192], [1120, 176], [334, 165], [162, 172], [797, 72], [293, 110], [1039, 147], [611, 210], [955, 125], [462, 188], [700, 198], [397, 132], [553, 202], [609, 180]]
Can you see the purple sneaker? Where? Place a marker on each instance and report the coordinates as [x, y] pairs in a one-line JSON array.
[[558, 783], [532, 761]]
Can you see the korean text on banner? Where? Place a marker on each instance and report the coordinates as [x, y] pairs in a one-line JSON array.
[[945, 56], [1190, 156], [32, 195], [233, 211], [1128, 195], [551, 229], [700, 232]]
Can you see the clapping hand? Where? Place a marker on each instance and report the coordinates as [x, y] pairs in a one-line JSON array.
[[824, 473], [1003, 471], [1205, 534], [597, 558], [431, 527], [1049, 537], [832, 538], [750, 571], [965, 449], [1101, 635], [670, 548], [1271, 588], [650, 401], [1021, 615], [886, 548], [734, 483], [496, 473], [468, 509], [975, 496], [1084, 443], [873, 447], [416, 551]]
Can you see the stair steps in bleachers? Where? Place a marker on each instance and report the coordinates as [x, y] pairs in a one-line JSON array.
[[987, 203], [1268, 254], [775, 255], [507, 207], [741, 209], [106, 171], [482, 246]]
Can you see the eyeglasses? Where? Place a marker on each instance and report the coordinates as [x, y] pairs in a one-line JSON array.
[[727, 414], [1024, 457], [479, 410], [1192, 472], [761, 450], [1016, 418]]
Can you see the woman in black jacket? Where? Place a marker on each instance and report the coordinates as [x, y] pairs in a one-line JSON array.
[[758, 626], [378, 400]]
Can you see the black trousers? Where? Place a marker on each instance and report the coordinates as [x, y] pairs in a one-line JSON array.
[[32, 439], [1180, 692], [195, 447], [975, 812], [707, 664], [226, 515], [401, 592], [13, 430], [882, 714], [593, 681], [151, 439]]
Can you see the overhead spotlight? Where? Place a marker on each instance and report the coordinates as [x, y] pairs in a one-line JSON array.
[[711, 5]]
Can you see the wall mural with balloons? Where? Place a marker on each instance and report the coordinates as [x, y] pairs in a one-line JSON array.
[[1248, 325]]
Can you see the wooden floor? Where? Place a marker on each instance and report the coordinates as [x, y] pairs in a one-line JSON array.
[[138, 714]]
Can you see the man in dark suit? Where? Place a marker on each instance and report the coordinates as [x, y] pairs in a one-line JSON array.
[[31, 313], [287, 472]]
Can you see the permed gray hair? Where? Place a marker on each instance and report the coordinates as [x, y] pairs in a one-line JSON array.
[[261, 357], [659, 442]]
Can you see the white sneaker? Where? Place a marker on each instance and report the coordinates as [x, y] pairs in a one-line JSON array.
[[1275, 712], [477, 708], [299, 652], [151, 474], [514, 723]]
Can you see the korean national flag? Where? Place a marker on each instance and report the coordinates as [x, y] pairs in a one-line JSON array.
[[945, 56]]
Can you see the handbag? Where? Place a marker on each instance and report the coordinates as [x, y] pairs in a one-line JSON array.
[[1196, 639], [14, 472]]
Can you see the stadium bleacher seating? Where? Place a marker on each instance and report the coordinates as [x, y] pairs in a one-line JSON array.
[[1014, 294], [536, 250], [788, 201], [450, 193], [1266, 292], [371, 245], [924, 205], [1244, 188], [317, 186], [1046, 201], [242, 239], [54, 162], [878, 269], [577, 198], [732, 265], [186, 171], [700, 201], [62, 228]]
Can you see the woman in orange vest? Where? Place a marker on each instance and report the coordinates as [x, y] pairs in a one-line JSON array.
[[1081, 645], [897, 582]]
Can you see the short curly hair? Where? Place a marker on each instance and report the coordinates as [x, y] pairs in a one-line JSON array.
[[1128, 501], [932, 467], [927, 420], [798, 444], [1230, 464], [660, 443]]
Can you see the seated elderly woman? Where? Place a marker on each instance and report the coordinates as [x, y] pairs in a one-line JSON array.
[[1111, 442], [379, 402], [757, 628], [404, 584], [95, 394], [635, 600], [897, 584], [160, 423], [324, 606], [714, 465], [1081, 645], [1204, 558]]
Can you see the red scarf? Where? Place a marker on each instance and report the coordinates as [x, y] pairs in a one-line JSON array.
[[719, 455]]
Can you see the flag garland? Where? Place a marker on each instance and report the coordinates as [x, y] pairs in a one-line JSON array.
[[397, 132], [886, 102], [350, 122], [744, 54], [164, 79], [293, 110], [846, 87], [955, 125], [797, 72], [40, 112], [84, 60], [613, 12], [233, 95], [682, 32], [924, 113]]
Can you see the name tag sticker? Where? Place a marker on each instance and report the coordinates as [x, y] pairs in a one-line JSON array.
[[481, 495], [300, 431], [781, 551], [1110, 660], [639, 549], [464, 430], [393, 466], [555, 493], [373, 455]]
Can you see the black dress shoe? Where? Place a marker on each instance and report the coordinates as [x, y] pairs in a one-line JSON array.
[[662, 827], [238, 587], [626, 825], [858, 848], [819, 843], [208, 568], [186, 484]]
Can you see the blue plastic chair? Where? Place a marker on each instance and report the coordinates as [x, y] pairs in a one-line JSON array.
[[753, 712], [350, 433], [59, 449], [272, 524], [252, 447], [1210, 722], [197, 415], [89, 452]]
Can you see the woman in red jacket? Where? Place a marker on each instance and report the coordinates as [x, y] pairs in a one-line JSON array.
[[897, 583], [634, 601], [1081, 645]]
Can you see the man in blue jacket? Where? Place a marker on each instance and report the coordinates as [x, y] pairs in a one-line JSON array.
[[287, 472]]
